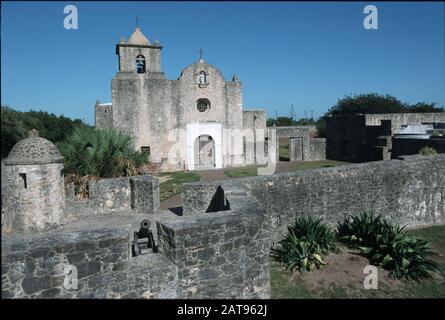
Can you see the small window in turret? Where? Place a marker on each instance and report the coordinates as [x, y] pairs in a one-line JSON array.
[[23, 176], [140, 64]]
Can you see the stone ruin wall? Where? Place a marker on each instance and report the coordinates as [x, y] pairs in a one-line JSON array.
[[216, 255], [138, 193], [220, 247], [409, 191]]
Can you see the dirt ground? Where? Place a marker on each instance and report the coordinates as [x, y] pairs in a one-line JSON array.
[[343, 277]]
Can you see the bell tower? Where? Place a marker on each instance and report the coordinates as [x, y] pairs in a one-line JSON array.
[[138, 55]]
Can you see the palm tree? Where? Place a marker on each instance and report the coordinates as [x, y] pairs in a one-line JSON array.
[[101, 153]]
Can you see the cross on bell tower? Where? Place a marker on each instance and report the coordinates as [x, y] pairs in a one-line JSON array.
[[137, 21], [201, 52]]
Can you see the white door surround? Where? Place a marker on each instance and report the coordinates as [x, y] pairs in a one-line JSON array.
[[194, 130]]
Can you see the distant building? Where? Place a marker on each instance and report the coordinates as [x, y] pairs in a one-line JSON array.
[[373, 137]]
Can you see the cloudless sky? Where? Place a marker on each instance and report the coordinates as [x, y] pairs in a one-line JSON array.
[[301, 53]]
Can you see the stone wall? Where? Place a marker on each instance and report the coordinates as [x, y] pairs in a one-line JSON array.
[[302, 142], [36, 265], [410, 191], [222, 254], [103, 116], [400, 119], [317, 149], [218, 254], [34, 198], [404, 146], [361, 138], [139, 193]]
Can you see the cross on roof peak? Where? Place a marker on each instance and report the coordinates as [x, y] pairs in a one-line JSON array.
[[201, 52], [137, 21]]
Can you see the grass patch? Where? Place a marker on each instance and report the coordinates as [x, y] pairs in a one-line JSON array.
[[317, 284], [282, 288], [306, 165], [173, 186], [241, 172], [283, 151]]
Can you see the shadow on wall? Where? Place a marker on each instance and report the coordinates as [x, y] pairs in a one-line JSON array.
[[219, 202]]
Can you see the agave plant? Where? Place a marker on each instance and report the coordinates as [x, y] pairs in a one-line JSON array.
[[297, 254], [304, 244], [315, 232], [388, 245], [359, 230]]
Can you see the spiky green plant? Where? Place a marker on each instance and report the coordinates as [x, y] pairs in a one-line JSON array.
[[314, 231], [427, 151], [304, 244], [362, 229], [388, 245], [101, 153]]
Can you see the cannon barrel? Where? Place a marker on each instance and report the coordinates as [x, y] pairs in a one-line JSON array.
[[145, 224], [144, 230]]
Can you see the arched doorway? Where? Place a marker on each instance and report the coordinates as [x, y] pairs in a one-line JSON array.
[[204, 152]]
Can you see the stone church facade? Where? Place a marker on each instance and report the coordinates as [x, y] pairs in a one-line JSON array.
[[194, 122]]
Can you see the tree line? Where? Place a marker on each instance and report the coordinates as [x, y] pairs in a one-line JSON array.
[[15, 126], [370, 103]]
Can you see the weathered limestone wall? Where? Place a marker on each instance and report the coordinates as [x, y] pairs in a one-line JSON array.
[[317, 149], [357, 138], [128, 53], [43, 265], [103, 116], [139, 193], [219, 254], [403, 146], [222, 254], [302, 142], [399, 119], [39, 205], [410, 191]]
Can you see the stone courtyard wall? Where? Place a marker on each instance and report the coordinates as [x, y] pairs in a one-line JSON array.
[[404, 146], [139, 193], [215, 254], [409, 191], [35, 265], [219, 255]]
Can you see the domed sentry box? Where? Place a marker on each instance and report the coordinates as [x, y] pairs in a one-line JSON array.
[[35, 197]]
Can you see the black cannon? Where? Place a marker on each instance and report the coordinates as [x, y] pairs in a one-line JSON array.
[[144, 240]]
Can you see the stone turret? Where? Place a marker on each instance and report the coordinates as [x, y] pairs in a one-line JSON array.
[[35, 197]]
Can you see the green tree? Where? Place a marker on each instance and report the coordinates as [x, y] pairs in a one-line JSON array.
[[367, 103], [101, 153], [16, 125], [376, 103]]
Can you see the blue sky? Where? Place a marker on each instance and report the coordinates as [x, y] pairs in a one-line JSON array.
[[306, 54]]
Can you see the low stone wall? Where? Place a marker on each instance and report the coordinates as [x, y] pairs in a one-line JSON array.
[[403, 146], [139, 193], [410, 191], [221, 254], [317, 149], [210, 254], [37, 265]]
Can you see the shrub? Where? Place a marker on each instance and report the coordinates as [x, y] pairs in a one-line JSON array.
[[360, 230], [388, 245], [304, 244], [101, 153], [427, 151]]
